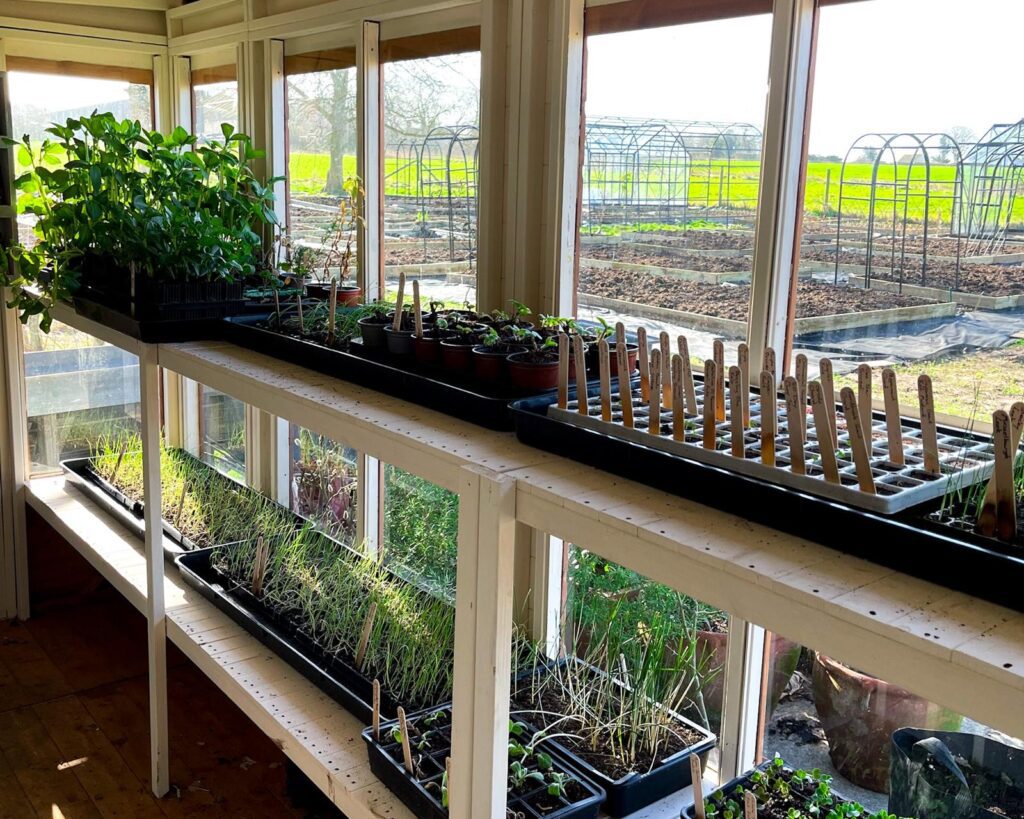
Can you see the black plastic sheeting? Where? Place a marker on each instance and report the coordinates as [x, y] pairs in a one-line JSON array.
[[918, 340]]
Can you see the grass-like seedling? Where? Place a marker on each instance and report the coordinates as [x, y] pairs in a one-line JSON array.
[[205, 506], [336, 596]]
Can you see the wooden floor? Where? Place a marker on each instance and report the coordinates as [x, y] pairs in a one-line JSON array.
[[74, 723]]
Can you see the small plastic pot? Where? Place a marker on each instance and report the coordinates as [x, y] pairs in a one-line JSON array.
[[456, 356], [529, 375], [490, 365], [632, 353], [372, 332], [400, 342], [428, 349]]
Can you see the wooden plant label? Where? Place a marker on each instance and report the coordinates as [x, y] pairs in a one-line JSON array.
[[604, 367], [399, 302], [654, 411], [417, 315], [376, 709], [689, 390], [893, 425], [929, 435], [259, 566], [1006, 506], [298, 300], [678, 402], [864, 400], [828, 391], [710, 403], [768, 361], [697, 780], [277, 306], [858, 443], [364, 637], [623, 374], [743, 362], [769, 423], [749, 805], [801, 384], [563, 370], [825, 446], [794, 417], [403, 727], [332, 307], [644, 360], [987, 516], [666, 370], [581, 375], [718, 354], [737, 427]]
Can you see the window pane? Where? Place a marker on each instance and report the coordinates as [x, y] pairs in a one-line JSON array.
[[912, 230], [78, 390], [421, 528], [323, 483], [431, 129], [321, 162], [215, 103], [223, 424], [670, 176]]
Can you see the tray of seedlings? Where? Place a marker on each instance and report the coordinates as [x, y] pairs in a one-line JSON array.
[[790, 452], [775, 791], [456, 361], [344, 620], [412, 757], [615, 713], [200, 506]]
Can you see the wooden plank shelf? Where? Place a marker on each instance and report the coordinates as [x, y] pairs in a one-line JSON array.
[[315, 732]]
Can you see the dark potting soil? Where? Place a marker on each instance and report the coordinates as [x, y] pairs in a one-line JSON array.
[[965, 520], [632, 254], [536, 710], [990, 791], [731, 301]]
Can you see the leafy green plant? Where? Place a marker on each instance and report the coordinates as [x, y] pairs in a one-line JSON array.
[[111, 197]]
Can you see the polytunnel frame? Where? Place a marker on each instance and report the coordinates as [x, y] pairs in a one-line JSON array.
[[996, 178], [921, 145]]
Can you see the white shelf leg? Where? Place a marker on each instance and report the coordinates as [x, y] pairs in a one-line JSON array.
[[743, 668], [149, 378], [483, 637]]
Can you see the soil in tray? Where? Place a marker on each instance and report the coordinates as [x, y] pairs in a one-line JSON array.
[[981, 279], [632, 254], [732, 301], [963, 520], [535, 709]]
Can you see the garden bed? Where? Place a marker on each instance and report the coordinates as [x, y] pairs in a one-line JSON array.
[[669, 258]]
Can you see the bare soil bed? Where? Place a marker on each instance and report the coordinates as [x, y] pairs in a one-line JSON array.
[[415, 251], [701, 239], [668, 258], [982, 279], [946, 246], [731, 301]]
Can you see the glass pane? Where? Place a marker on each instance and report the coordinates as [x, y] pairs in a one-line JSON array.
[[323, 483], [670, 177], [322, 135], [431, 131], [223, 424], [215, 103], [824, 714], [78, 389], [421, 528], [913, 225]]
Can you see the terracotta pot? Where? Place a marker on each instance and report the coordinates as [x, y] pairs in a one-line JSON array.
[[456, 356], [372, 332], [528, 375], [349, 295], [489, 365], [632, 354], [859, 714], [400, 342], [428, 349], [711, 647]]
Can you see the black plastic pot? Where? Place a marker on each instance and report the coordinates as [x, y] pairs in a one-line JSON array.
[[400, 342], [421, 794], [634, 791], [372, 332], [928, 770]]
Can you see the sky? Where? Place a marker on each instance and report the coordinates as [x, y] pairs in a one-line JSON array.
[[883, 65]]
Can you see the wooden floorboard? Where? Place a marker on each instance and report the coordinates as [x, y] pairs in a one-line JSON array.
[[74, 726]]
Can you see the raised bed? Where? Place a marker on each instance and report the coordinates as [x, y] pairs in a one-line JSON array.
[[855, 274]]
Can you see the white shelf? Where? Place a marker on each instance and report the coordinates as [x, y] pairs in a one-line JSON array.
[[315, 732], [954, 649], [65, 314]]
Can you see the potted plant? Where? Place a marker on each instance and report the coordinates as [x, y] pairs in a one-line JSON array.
[[416, 765], [859, 714], [373, 321], [335, 250], [456, 350], [501, 319], [535, 369], [427, 347], [143, 231], [490, 354]]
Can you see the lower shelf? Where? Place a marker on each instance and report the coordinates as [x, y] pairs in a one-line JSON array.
[[323, 740]]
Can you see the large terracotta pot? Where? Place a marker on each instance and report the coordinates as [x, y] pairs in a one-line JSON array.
[[711, 645], [859, 714]]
